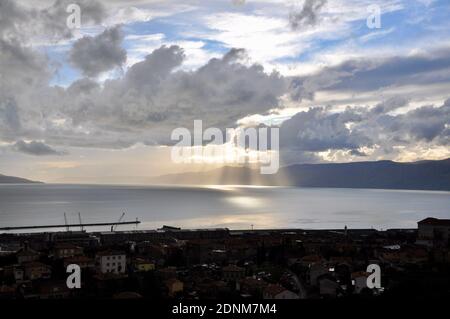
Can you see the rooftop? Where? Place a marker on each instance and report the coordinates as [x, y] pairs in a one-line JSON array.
[[435, 222], [63, 245], [358, 274], [110, 253]]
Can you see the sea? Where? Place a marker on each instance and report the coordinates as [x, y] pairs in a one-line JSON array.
[[216, 206]]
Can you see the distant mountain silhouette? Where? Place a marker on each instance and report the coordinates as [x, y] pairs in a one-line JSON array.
[[423, 175], [14, 180]]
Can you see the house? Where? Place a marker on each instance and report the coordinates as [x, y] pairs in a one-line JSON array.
[[278, 292], [26, 254], [111, 262], [174, 286], [441, 255], [233, 273], [433, 230], [36, 270], [64, 250], [143, 265], [14, 271]]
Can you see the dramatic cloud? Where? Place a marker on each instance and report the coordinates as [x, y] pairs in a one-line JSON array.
[[9, 118], [426, 124], [154, 96], [145, 102], [359, 75], [19, 21], [94, 55], [357, 129], [308, 15], [21, 65], [319, 130], [35, 148], [390, 105]]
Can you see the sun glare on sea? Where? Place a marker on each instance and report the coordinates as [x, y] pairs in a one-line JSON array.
[[245, 201]]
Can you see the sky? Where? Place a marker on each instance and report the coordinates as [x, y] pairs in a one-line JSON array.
[[97, 103]]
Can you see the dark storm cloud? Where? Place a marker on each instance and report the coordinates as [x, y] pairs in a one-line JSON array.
[[320, 129], [308, 15], [35, 148], [390, 105], [426, 124], [418, 69], [94, 55]]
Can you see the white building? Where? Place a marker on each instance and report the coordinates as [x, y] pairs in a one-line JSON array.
[[111, 262]]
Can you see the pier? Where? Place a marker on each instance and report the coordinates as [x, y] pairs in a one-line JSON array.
[[114, 224]]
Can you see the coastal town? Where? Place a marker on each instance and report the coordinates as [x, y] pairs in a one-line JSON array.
[[189, 264]]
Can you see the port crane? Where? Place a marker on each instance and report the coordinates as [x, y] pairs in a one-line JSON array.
[[81, 223], [113, 227], [65, 222]]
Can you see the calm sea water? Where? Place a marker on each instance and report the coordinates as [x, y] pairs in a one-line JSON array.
[[227, 206]]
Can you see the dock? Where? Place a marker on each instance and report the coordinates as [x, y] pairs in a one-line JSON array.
[[68, 226]]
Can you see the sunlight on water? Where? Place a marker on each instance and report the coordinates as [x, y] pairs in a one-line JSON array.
[[220, 206], [245, 201]]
